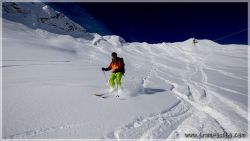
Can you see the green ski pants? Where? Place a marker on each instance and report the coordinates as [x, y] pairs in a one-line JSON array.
[[115, 77]]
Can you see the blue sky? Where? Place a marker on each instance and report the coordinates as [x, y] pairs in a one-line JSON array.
[[224, 23]]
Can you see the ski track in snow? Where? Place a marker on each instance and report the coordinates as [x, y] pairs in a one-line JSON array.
[[156, 126], [33, 133], [169, 122], [32, 64], [193, 103]]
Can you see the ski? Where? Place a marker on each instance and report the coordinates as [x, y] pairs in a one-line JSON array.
[[104, 95], [100, 94]]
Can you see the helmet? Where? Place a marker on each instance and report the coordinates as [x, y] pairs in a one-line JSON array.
[[114, 54]]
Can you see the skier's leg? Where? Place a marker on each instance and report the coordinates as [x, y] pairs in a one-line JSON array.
[[118, 79], [112, 80]]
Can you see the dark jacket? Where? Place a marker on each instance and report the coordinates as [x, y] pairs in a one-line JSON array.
[[117, 65]]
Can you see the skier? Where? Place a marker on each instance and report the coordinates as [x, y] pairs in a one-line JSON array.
[[118, 70], [195, 41]]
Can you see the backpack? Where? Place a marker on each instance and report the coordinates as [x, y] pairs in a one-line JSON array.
[[122, 66]]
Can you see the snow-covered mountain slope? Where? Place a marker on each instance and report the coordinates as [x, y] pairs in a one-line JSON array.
[[169, 89], [39, 15]]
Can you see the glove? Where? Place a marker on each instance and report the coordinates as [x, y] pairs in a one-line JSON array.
[[104, 69]]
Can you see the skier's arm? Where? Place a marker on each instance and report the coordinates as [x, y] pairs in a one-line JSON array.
[[108, 68]]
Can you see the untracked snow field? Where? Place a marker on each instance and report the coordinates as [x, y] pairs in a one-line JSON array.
[[169, 89]]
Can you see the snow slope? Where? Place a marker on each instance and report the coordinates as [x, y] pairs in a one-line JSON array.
[[169, 89]]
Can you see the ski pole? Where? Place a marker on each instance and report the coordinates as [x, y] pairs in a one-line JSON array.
[[105, 77], [117, 88]]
